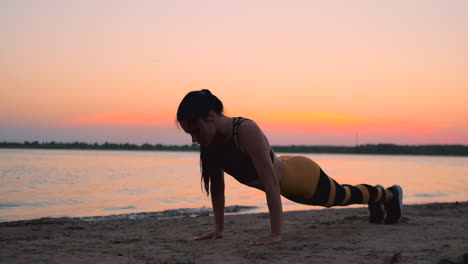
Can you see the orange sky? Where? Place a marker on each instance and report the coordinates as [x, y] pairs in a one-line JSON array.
[[309, 72]]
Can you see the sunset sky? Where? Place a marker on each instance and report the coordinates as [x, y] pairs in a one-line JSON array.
[[308, 72]]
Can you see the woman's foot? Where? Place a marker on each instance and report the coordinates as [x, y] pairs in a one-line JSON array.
[[394, 206], [377, 210]]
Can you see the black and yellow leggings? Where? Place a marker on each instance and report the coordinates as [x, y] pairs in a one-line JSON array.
[[305, 182]]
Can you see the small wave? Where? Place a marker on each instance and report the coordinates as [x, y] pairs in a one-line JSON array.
[[428, 195], [10, 205], [169, 201], [131, 207], [183, 212], [6, 206], [13, 205], [133, 191]]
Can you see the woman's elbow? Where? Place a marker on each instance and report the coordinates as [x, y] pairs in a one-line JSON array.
[[272, 189]]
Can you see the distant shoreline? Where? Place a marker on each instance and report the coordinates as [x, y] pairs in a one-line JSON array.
[[377, 149]]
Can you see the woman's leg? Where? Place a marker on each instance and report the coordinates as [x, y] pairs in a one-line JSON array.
[[385, 205], [305, 182], [330, 193]]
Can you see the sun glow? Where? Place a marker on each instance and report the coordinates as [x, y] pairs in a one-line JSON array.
[[123, 118], [332, 122]]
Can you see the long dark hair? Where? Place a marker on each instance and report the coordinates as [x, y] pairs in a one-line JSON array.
[[196, 105]]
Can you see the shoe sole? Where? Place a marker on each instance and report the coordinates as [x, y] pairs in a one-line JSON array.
[[398, 191], [400, 199]]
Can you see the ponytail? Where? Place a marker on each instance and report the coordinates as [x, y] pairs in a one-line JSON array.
[[198, 104]]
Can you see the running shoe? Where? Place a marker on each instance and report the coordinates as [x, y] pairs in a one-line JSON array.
[[377, 210], [394, 207]]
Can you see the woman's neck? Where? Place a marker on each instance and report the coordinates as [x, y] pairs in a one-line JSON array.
[[223, 128]]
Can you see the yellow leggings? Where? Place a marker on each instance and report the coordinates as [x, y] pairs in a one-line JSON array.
[[305, 182]]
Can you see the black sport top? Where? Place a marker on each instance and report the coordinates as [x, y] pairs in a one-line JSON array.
[[233, 161]]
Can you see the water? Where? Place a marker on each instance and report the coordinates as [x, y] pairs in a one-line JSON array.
[[55, 183]]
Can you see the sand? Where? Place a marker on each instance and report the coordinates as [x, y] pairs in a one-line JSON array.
[[429, 233]]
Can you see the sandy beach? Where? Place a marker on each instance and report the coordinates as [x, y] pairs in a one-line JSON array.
[[429, 233]]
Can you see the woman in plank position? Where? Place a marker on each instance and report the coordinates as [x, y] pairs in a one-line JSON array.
[[237, 146]]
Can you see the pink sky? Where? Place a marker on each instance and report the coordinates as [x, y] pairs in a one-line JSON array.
[[309, 72]]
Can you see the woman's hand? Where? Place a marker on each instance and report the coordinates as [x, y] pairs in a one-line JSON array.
[[212, 234], [267, 240]]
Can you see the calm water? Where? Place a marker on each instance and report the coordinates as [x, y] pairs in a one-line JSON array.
[[40, 183]]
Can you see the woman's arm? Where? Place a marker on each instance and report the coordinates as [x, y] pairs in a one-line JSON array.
[[217, 200], [255, 144]]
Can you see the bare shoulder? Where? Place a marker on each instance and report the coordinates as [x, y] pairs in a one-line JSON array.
[[250, 134], [248, 128]]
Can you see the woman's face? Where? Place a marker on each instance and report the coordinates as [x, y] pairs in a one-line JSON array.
[[202, 131]]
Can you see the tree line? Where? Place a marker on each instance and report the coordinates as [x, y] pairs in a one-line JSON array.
[[96, 146], [444, 150]]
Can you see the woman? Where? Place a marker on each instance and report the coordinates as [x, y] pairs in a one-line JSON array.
[[238, 147]]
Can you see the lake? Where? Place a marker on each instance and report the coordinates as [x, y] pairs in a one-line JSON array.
[[75, 183]]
